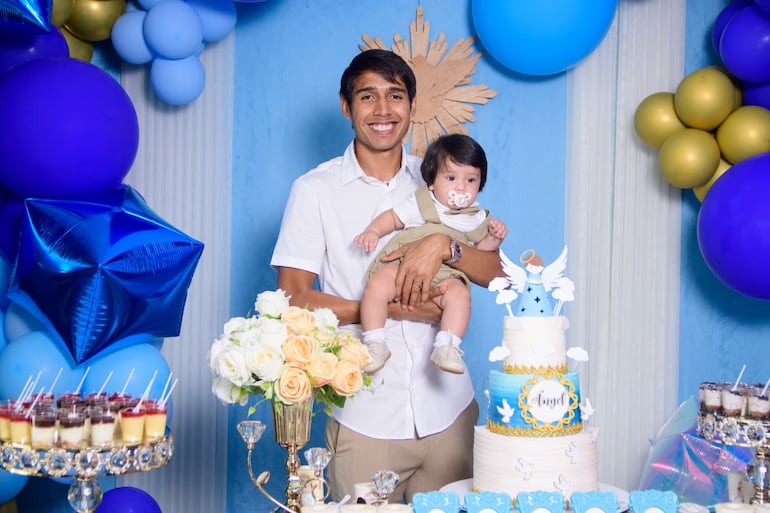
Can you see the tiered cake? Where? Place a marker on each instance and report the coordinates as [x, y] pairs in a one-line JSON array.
[[534, 438]]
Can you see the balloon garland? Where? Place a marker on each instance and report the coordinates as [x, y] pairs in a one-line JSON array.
[[713, 136]]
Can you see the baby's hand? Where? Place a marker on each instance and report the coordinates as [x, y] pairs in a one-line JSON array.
[[366, 240], [497, 229]]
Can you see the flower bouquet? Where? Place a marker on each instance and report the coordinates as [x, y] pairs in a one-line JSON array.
[[287, 355]]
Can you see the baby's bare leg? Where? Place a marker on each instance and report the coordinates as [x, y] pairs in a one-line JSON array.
[[456, 306], [380, 290]]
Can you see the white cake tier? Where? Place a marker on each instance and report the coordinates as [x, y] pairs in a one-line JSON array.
[[510, 464], [536, 344]]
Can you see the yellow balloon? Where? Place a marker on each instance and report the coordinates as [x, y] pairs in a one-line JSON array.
[[92, 20], [701, 191], [60, 11], [655, 119], [79, 49], [746, 132], [689, 158], [705, 98]]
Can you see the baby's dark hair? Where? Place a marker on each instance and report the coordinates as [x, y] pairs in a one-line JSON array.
[[387, 64], [461, 148]]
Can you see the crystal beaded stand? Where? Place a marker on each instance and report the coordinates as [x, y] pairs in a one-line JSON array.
[[85, 465]]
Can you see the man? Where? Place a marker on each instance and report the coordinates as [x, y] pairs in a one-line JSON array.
[[418, 421]]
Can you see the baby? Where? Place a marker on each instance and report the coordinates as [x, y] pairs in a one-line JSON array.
[[455, 170]]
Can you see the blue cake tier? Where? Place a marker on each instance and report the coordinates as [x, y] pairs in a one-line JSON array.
[[534, 404]]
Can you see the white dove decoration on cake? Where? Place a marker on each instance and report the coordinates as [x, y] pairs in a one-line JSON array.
[[535, 283], [506, 411], [524, 467]]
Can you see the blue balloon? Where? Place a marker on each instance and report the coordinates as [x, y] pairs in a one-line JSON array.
[[745, 45], [218, 17], [139, 362], [35, 353], [10, 227], [172, 29], [541, 37], [734, 227], [20, 44], [53, 148], [128, 38], [127, 499], [724, 17], [104, 272], [10, 485], [756, 94], [178, 82], [18, 322]]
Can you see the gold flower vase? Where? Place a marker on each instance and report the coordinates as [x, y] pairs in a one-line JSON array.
[[292, 432]]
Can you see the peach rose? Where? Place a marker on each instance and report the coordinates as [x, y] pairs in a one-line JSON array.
[[322, 368], [293, 385], [353, 349], [299, 349], [348, 379], [299, 320]]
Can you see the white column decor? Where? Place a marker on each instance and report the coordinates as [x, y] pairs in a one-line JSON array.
[[623, 232], [184, 171]]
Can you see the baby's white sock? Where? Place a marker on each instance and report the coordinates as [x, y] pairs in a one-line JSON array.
[[375, 335], [445, 338]]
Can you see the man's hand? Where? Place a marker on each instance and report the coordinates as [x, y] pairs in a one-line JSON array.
[[420, 261], [428, 312]]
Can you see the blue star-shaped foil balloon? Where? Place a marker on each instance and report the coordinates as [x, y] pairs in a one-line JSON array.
[[35, 12], [102, 273]]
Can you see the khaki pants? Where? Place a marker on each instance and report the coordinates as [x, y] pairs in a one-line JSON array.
[[423, 464]]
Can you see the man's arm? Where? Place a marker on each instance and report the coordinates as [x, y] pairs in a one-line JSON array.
[[299, 285], [421, 260]]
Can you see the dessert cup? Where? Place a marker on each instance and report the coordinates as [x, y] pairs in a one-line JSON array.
[[102, 427], [43, 429], [758, 405], [733, 401], [5, 421], [132, 425], [72, 431], [21, 427], [155, 420]]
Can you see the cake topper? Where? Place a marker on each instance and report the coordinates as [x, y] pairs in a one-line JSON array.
[[536, 284]]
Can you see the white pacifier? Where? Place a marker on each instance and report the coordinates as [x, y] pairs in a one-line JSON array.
[[459, 199]]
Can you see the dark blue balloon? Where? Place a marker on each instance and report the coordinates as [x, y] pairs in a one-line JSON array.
[[745, 45], [724, 17], [756, 94], [102, 272], [20, 44], [734, 227], [127, 499]]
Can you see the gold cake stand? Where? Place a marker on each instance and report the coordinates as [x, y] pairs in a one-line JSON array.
[[86, 464], [744, 432]]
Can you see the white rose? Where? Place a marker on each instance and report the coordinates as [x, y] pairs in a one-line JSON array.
[[216, 347], [265, 361], [271, 332], [229, 393], [230, 364], [271, 303], [234, 325], [325, 320]]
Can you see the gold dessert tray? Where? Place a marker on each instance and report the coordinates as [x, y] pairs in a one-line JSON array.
[[84, 465]]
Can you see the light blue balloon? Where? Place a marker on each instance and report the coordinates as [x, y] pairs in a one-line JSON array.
[[217, 16], [178, 82], [144, 359], [542, 37], [10, 485], [3, 340], [34, 353], [173, 29], [18, 322], [128, 38]]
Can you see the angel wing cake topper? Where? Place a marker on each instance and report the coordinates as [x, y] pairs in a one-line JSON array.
[[535, 284]]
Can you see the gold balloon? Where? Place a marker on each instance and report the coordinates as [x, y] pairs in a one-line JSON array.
[[701, 191], [60, 11], [689, 158], [79, 49], [745, 132], [655, 119], [92, 20], [705, 98]]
